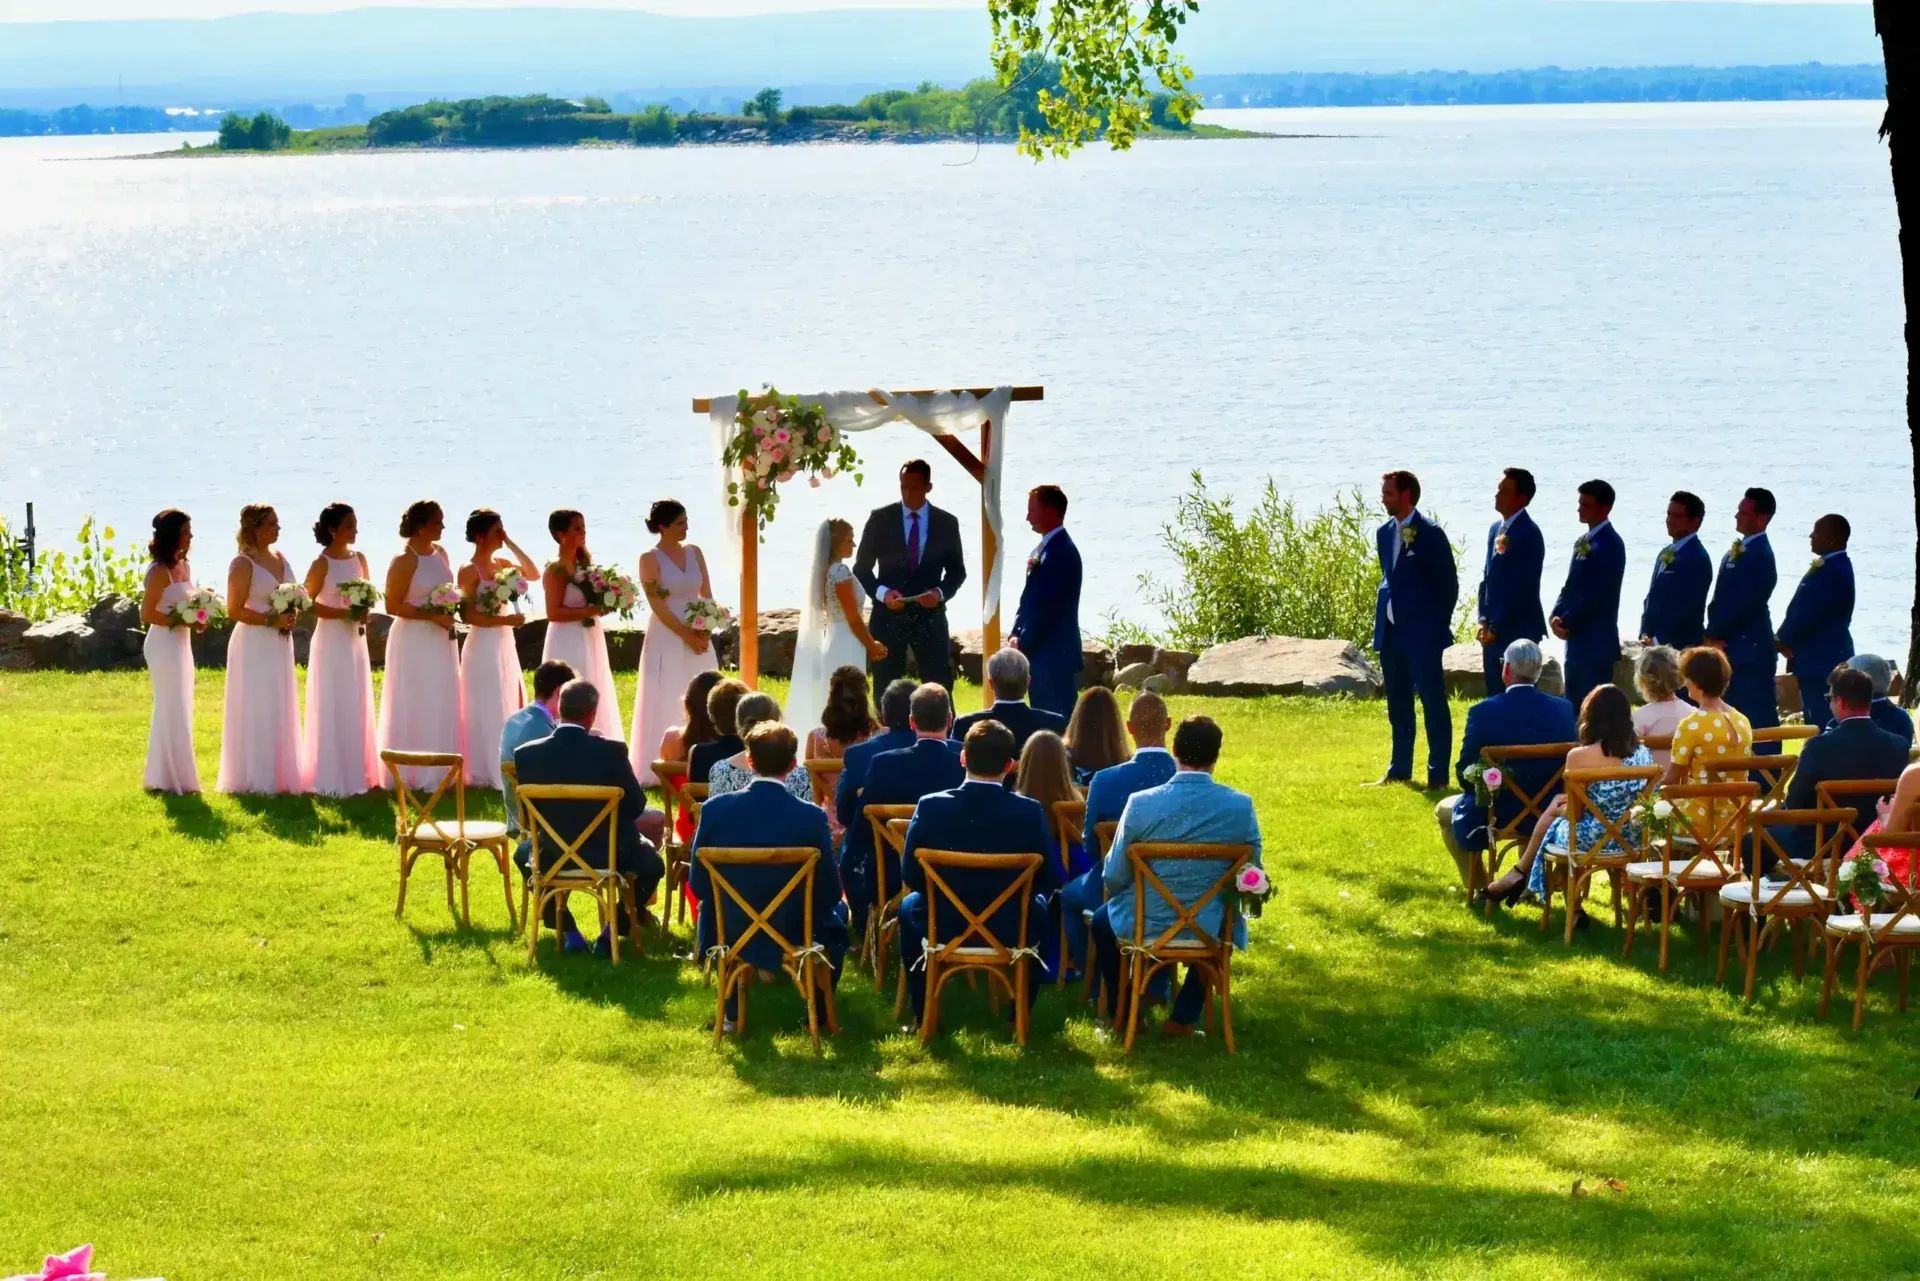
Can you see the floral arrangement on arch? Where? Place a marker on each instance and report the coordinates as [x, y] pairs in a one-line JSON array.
[[777, 438]]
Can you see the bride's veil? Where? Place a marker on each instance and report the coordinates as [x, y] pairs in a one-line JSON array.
[[809, 693]]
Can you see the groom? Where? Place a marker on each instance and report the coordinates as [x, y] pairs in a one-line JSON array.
[[909, 562]]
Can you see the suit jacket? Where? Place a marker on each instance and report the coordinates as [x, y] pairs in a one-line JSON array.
[[1589, 603], [1419, 587], [1107, 794], [1510, 582], [1675, 612], [1518, 717], [1889, 716], [853, 767], [901, 777], [1738, 612], [1853, 749], [1023, 719], [881, 558], [572, 756], [980, 818], [766, 816], [704, 756], [1188, 807], [1819, 619], [1047, 624]]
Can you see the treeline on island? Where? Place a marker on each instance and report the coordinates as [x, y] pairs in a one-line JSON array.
[[1544, 84]]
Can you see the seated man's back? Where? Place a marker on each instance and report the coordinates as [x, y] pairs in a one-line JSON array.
[[572, 756], [1855, 748], [980, 818], [766, 816], [1191, 808]]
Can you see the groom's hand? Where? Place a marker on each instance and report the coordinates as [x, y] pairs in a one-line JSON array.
[[895, 601], [928, 599]]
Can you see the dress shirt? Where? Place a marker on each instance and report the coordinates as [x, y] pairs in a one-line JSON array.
[[1399, 540], [925, 511]]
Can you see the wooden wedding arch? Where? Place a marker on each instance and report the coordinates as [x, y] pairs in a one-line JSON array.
[[976, 467]]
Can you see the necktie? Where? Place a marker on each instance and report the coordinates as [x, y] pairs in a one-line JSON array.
[[913, 542]]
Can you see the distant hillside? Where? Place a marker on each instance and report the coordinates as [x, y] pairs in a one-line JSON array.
[[1545, 84]]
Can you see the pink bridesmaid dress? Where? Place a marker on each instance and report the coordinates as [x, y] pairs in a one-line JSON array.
[[491, 689], [169, 652], [339, 753], [584, 649], [260, 733], [667, 666], [420, 706]]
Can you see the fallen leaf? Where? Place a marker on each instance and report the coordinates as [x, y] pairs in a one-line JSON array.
[[1616, 1185]]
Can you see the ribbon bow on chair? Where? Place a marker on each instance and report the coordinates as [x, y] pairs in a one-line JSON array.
[[75, 1265]]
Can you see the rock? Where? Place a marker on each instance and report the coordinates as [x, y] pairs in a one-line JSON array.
[[624, 641], [1285, 665], [1128, 655], [779, 632], [969, 663], [1465, 677], [13, 651], [1096, 665], [115, 619], [1134, 674], [65, 644], [114, 612], [1175, 664], [378, 625], [1553, 679], [1160, 683], [1623, 667], [1786, 693], [1894, 690], [529, 639]]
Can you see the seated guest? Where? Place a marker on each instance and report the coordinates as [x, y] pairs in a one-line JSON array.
[[1044, 775], [1886, 713], [1656, 673], [1854, 748], [1007, 676], [845, 722], [1714, 728], [1607, 741], [572, 755], [722, 701], [766, 815], [899, 777], [1519, 716], [1095, 739], [1190, 807], [535, 720], [736, 772], [980, 816], [896, 732], [678, 743]]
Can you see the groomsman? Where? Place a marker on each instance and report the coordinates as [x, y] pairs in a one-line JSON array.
[[1046, 627], [1815, 635], [1738, 622], [1587, 614], [1412, 625], [1676, 610], [1510, 578]]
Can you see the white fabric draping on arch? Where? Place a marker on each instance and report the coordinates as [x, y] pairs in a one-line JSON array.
[[943, 413]]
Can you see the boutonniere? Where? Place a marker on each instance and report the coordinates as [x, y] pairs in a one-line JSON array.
[[1739, 549], [1500, 545], [1667, 558], [1032, 562], [1582, 547], [1409, 535], [1819, 562]]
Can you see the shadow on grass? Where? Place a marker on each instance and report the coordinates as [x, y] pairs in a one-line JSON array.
[[193, 818], [311, 820]]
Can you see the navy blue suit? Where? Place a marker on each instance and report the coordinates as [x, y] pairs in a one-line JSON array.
[[1024, 721], [1817, 630], [899, 777], [1047, 624], [1676, 609], [572, 756], [1510, 592], [1889, 716], [1853, 749], [1520, 717], [767, 816], [973, 818], [1589, 608], [1412, 627], [1738, 617], [854, 766], [1106, 796]]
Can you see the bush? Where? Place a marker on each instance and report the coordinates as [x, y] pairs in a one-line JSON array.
[[654, 127], [802, 116], [264, 132], [62, 584]]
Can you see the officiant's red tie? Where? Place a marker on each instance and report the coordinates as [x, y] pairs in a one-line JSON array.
[[913, 542]]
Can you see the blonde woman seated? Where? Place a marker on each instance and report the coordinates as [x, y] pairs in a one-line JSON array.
[[1712, 729], [736, 772], [1607, 741], [1657, 674]]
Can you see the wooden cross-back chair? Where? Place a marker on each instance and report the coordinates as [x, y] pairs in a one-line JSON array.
[[1771, 773], [824, 774], [1069, 817], [559, 867], [804, 959], [1184, 941], [1511, 836], [678, 854], [1097, 847], [1794, 894], [1852, 794], [1892, 927], [1785, 733], [1620, 844], [1690, 867], [883, 913], [974, 948], [419, 827]]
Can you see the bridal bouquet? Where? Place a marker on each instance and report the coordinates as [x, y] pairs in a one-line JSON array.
[[200, 606], [607, 588], [775, 439], [358, 597], [1253, 888], [705, 615], [502, 593], [288, 600], [444, 598]]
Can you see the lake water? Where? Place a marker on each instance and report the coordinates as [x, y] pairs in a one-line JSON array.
[[1692, 296]]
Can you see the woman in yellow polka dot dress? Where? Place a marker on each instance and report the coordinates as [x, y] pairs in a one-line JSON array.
[[1713, 730]]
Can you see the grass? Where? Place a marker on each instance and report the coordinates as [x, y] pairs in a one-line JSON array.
[[225, 1058]]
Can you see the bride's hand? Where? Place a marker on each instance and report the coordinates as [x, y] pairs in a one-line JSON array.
[[876, 651]]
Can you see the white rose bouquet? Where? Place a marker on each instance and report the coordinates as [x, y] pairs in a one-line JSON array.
[[199, 607], [607, 588], [288, 600], [358, 597], [443, 599], [502, 593], [705, 615]]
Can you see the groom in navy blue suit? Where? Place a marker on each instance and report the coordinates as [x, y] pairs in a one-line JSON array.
[[1816, 635], [1510, 578], [1738, 620], [1675, 613], [1587, 614], [1412, 624], [1046, 627]]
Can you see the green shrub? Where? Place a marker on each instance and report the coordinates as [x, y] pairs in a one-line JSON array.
[[63, 584], [264, 132], [654, 127]]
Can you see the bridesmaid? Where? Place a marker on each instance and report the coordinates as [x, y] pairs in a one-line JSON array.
[[340, 755], [491, 687], [575, 634], [260, 735], [671, 574], [169, 651], [420, 707]]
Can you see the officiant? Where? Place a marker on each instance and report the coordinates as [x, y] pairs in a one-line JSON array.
[[909, 562]]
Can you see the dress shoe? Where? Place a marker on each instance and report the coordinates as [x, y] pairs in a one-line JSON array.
[[1172, 1031], [574, 941], [603, 946]]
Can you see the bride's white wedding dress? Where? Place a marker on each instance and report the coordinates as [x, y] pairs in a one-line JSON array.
[[825, 643]]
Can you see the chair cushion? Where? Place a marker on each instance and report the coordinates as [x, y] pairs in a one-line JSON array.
[[1740, 894], [475, 830], [1852, 923], [1705, 874]]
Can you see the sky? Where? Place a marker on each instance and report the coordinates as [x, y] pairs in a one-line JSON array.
[[74, 10]]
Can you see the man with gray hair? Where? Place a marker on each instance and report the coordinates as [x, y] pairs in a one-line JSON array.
[[1885, 713], [1007, 676], [1518, 716]]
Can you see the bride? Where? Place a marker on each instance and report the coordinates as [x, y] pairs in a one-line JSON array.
[[832, 632]]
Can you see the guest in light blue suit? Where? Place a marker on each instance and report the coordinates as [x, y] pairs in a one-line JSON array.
[[767, 816], [534, 721], [895, 715], [1190, 807], [1883, 711], [1816, 634], [1587, 614], [1739, 623], [1675, 613], [1510, 579], [1412, 626], [1046, 627], [900, 777]]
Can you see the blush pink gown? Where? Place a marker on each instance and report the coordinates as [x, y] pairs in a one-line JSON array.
[[491, 689], [667, 666], [420, 706], [169, 654], [260, 732], [584, 649], [339, 752]]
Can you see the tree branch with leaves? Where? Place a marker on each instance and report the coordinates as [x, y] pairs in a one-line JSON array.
[[1113, 56]]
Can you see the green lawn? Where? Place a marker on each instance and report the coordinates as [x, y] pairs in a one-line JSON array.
[[226, 1059]]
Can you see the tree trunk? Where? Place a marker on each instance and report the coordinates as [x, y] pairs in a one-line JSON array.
[[1898, 25]]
